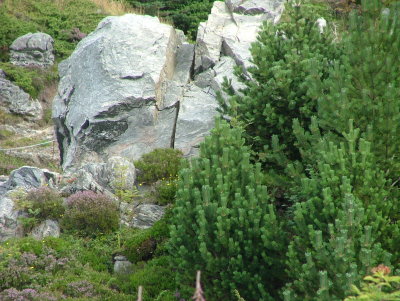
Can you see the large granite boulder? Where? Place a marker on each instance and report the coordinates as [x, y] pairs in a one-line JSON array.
[[33, 49], [128, 87], [111, 94], [16, 101]]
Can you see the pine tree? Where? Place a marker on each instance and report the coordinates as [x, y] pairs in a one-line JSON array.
[[364, 84], [285, 55], [340, 219], [225, 223]]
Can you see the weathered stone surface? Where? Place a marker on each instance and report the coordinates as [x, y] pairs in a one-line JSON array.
[[45, 229], [24, 178], [116, 173], [145, 215], [255, 7], [184, 63], [14, 100], [231, 28], [110, 90], [196, 118], [8, 218], [32, 49], [210, 37], [122, 265], [28, 177]]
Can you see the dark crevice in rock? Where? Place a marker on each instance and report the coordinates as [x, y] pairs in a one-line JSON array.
[[177, 106]]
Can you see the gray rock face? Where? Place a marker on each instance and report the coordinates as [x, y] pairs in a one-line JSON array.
[[14, 100], [23, 178], [116, 173], [111, 90], [145, 215], [231, 28], [127, 89], [32, 49], [122, 265], [46, 229]]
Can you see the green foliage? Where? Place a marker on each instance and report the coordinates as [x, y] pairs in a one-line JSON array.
[[142, 244], [123, 190], [165, 191], [8, 163], [57, 18], [56, 267], [185, 14], [90, 214], [285, 55], [223, 218], [363, 85], [46, 201], [160, 164], [378, 286], [157, 279], [340, 221]]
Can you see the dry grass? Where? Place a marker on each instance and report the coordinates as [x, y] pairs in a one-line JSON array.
[[116, 7]]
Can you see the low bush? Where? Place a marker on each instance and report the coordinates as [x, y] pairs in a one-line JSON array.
[[143, 244], [47, 202], [157, 279], [160, 164], [165, 191], [90, 214]]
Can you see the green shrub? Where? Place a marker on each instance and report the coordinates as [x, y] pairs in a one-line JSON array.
[[165, 191], [162, 163], [90, 214], [47, 202], [225, 223], [157, 279], [340, 221], [142, 244], [284, 56]]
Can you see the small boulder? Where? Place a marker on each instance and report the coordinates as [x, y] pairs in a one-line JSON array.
[[32, 49], [45, 229], [14, 100], [145, 215], [122, 265]]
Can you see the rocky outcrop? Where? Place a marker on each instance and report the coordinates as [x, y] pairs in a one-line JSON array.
[[45, 229], [230, 30], [128, 88], [16, 101], [25, 178], [145, 215], [32, 49]]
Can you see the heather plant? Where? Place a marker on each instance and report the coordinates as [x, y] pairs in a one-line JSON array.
[[162, 163], [90, 214], [27, 294], [225, 222], [46, 201], [80, 288]]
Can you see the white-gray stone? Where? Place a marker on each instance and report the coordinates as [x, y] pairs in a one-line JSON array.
[[145, 215], [196, 118], [231, 28], [122, 265], [111, 88], [48, 228], [14, 100], [32, 49]]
